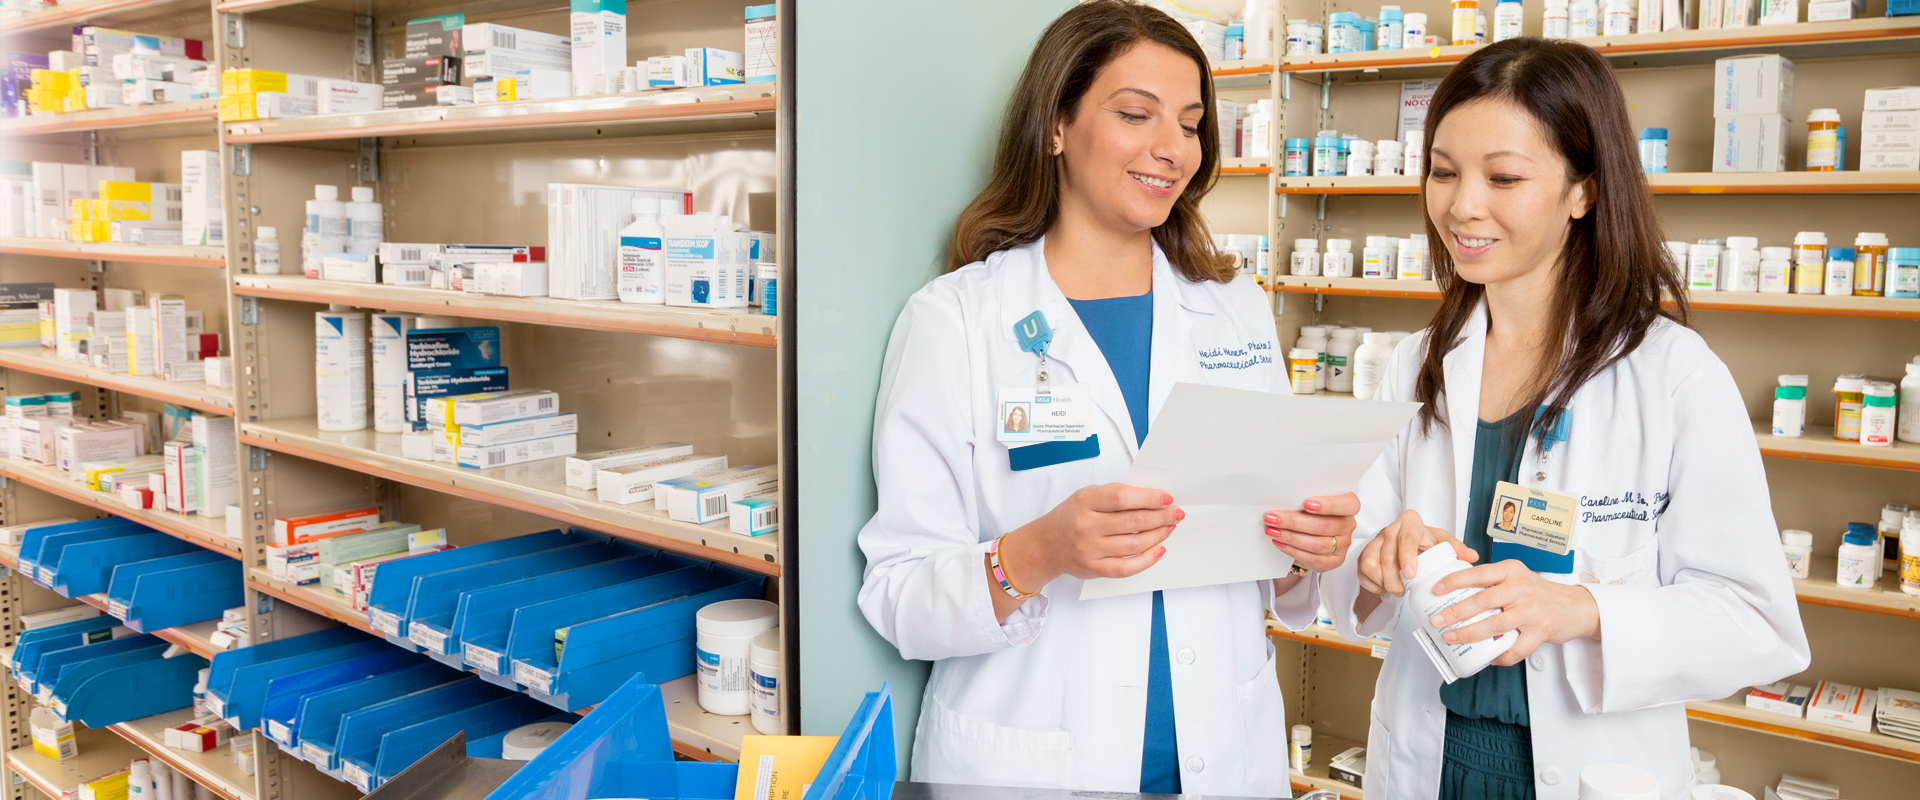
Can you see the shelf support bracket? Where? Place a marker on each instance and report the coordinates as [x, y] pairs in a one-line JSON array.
[[363, 40], [369, 160], [1321, 215], [1286, 86], [242, 159], [236, 26], [1326, 92], [1319, 304], [250, 311]]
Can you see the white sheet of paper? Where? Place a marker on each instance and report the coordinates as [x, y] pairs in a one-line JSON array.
[[1228, 456]]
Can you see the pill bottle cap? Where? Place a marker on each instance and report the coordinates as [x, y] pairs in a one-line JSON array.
[[1810, 237], [1913, 370], [1390, 14], [1797, 538], [1302, 734], [325, 192], [1879, 394], [1790, 393], [1850, 383], [1824, 115], [1859, 537], [1315, 330], [1904, 255], [646, 206], [1653, 133], [1743, 243], [1793, 380], [1298, 144], [1340, 245], [1870, 240], [1345, 333], [1892, 514], [765, 646], [268, 232], [1381, 337], [1303, 354], [1617, 782], [736, 617], [1718, 791], [1380, 241], [1839, 254], [1703, 250], [1306, 244], [1776, 253], [363, 194]]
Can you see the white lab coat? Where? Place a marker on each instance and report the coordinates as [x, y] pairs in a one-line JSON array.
[[1056, 696], [1675, 541]]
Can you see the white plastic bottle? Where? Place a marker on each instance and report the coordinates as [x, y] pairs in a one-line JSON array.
[[1583, 18], [1370, 364], [1740, 264], [1305, 260], [1839, 278], [1556, 24], [1300, 748], [1617, 18], [1790, 407], [1798, 546], [1910, 555], [327, 222], [1337, 262], [1259, 16], [1507, 18], [1416, 156], [1877, 416], [1256, 134], [1416, 33], [1454, 660], [140, 780], [1314, 337], [162, 781], [1776, 270], [642, 264], [1859, 560], [1340, 351], [1703, 268], [1907, 423], [366, 229], [1377, 259], [266, 251]]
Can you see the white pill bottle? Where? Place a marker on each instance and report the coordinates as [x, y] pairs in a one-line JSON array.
[[1454, 660]]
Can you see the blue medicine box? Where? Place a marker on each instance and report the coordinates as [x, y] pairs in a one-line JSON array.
[[453, 348]]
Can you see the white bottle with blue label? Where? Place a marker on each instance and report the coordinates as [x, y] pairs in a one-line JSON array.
[[642, 265]]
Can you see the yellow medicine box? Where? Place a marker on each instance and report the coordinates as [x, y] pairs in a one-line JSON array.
[[249, 81]]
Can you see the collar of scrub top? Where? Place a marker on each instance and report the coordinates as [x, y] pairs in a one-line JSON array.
[[1026, 287], [1463, 367]]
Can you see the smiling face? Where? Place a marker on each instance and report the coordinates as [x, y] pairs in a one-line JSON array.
[[1497, 190], [1132, 143]]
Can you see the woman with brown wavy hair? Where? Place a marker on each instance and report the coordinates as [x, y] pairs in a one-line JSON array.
[[1641, 570], [984, 535]]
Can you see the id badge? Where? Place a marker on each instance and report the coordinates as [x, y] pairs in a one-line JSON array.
[[1534, 518], [1056, 413]]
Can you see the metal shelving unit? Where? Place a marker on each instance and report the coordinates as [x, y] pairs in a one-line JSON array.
[[214, 257]]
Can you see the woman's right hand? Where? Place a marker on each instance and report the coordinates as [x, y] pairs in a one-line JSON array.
[[1107, 531], [1390, 559]]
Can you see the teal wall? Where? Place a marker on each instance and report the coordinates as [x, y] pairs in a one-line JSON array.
[[898, 104]]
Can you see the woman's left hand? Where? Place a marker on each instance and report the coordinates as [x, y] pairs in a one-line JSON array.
[[1540, 610], [1319, 537]]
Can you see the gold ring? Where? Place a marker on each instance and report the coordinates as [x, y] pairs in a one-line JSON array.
[[1336, 548]]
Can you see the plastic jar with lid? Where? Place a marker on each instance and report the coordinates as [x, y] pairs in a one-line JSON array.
[[1839, 278], [1337, 262], [1907, 419], [1616, 17], [1465, 13], [1849, 395], [764, 667], [1314, 337], [1859, 557], [1776, 270], [1299, 157], [1415, 35], [1740, 265], [1300, 748], [1305, 260], [724, 636], [1343, 32], [1326, 154], [1359, 158], [1377, 258], [1798, 546], [1412, 260], [1653, 150], [1809, 262], [1823, 140], [1455, 660], [1892, 517], [1388, 157], [1790, 407], [1507, 19], [1340, 349], [1556, 24], [1877, 414], [1370, 363], [1393, 29], [1303, 369], [1910, 555], [1703, 268], [1870, 264]]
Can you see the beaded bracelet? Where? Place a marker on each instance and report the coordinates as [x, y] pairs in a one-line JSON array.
[[993, 562]]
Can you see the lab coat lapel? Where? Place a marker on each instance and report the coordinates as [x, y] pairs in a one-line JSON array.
[[1173, 358], [1463, 367], [1033, 288]]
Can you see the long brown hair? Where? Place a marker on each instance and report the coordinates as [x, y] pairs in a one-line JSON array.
[[1022, 197], [1614, 270]]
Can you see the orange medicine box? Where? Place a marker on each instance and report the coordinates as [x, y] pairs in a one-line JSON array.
[[301, 530]]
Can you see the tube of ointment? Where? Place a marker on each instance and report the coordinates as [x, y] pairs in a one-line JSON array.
[[1454, 660]]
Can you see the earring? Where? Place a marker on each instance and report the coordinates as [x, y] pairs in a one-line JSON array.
[[1056, 146]]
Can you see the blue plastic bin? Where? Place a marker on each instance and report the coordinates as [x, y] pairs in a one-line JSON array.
[[279, 714], [362, 731], [178, 590], [485, 616], [220, 675], [321, 712], [620, 750], [387, 601], [85, 568]]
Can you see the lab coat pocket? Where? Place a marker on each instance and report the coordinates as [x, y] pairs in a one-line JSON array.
[[1640, 567], [956, 748], [1264, 719]]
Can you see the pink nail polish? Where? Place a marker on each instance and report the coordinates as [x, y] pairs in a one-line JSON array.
[[1312, 505]]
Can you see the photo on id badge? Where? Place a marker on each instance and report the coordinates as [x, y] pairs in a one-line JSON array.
[[1013, 417], [1508, 518]]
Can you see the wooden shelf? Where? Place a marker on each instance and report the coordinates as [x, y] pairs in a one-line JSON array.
[[1317, 777], [1819, 445], [538, 488], [1732, 712], [102, 753], [1795, 304], [199, 113], [197, 396], [746, 327], [1243, 74], [213, 769], [740, 107], [1819, 588], [207, 532], [1687, 183], [71, 13], [1702, 43], [215, 257], [696, 734], [1231, 167]]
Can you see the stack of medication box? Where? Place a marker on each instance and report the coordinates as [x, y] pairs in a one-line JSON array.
[[186, 463], [42, 196], [1890, 129], [107, 68], [518, 64], [1753, 104], [1897, 713], [250, 94]]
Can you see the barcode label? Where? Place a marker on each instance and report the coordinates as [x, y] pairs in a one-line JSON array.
[[496, 457], [408, 275], [176, 194], [510, 41], [411, 254], [545, 403], [766, 517], [49, 197], [713, 505]]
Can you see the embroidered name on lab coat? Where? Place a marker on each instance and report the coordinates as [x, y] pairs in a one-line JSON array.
[[1254, 354], [1626, 505]]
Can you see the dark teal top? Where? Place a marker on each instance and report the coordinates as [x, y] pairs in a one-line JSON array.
[[1123, 329]]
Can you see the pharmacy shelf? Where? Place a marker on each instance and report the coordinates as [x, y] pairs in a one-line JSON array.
[[1731, 712], [72, 13], [101, 753], [696, 734], [1687, 45], [213, 769], [1243, 73], [1819, 588], [207, 532], [733, 327], [192, 116], [538, 488], [1796, 304], [1316, 776], [1819, 445], [215, 257], [1687, 183], [195, 638], [742, 107], [1231, 167], [40, 361]]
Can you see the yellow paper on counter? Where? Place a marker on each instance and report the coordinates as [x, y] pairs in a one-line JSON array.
[[780, 767]]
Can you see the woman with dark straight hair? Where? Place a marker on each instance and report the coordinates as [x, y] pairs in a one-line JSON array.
[[1642, 569], [1088, 229]]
